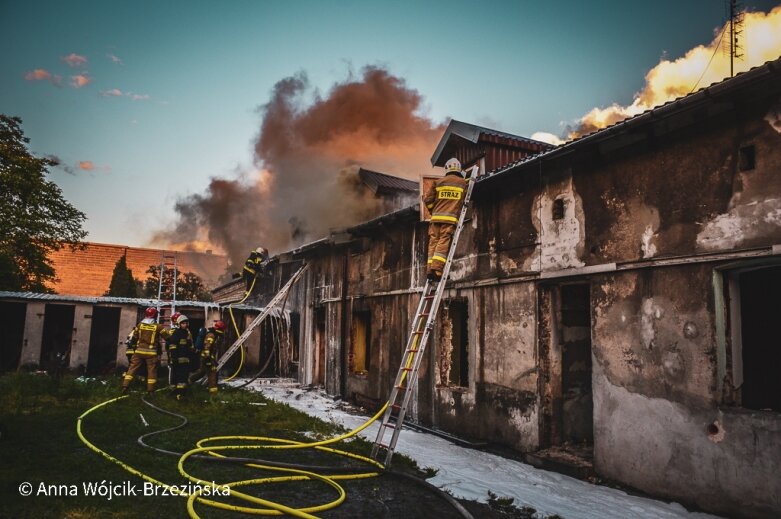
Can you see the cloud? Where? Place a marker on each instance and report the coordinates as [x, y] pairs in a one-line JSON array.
[[40, 74], [75, 60], [80, 80], [88, 165], [114, 92], [547, 137], [114, 59], [307, 154], [138, 97], [60, 164], [698, 68]]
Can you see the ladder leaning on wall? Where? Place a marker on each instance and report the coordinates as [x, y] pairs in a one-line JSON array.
[[166, 288], [422, 326], [259, 319]]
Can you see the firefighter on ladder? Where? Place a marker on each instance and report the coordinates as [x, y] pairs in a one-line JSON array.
[[255, 266], [179, 347], [211, 342], [444, 199], [146, 339]]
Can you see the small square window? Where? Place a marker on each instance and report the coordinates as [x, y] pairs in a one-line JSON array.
[[558, 209], [747, 158]]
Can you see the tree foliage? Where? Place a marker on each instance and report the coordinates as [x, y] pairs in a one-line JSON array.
[[122, 282], [36, 219], [189, 286]]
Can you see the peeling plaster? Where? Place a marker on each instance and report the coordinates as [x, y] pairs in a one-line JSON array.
[[743, 222], [773, 117], [561, 241], [650, 314], [649, 249]]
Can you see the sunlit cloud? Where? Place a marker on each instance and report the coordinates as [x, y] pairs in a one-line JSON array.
[[114, 92], [138, 97], [88, 165], [80, 80], [696, 69], [547, 137], [114, 59], [75, 60], [40, 74]]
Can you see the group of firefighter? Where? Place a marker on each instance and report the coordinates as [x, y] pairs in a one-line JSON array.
[[187, 362], [443, 198]]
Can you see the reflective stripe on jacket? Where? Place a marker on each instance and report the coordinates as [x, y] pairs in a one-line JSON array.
[[180, 345], [254, 263], [147, 333], [444, 198]]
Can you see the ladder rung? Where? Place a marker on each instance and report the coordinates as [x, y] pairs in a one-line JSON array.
[[383, 446], [402, 388], [395, 406], [412, 350], [406, 369], [417, 333], [392, 426]]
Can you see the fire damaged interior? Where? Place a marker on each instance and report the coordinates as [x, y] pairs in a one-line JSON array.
[[616, 293]]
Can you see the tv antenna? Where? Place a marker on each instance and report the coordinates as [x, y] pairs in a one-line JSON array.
[[734, 28]]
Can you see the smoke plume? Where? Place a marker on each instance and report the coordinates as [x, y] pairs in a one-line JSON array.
[[698, 68], [307, 155]]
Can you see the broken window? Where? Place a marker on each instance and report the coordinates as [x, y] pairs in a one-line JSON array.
[[453, 351], [756, 346], [747, 158], [558, 209], [360, 343]]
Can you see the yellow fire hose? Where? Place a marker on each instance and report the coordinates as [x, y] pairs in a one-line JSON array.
[[271, 508], [235, 327], [205, 445]]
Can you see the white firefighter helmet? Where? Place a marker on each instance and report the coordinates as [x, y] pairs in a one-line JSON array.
[[262, 251], [181, 319], [453, 165]]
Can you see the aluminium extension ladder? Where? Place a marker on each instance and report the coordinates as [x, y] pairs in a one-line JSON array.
[[422, 326], [259, 319], [166, 288]]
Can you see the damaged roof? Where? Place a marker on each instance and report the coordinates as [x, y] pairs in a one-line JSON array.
[[464, 132], [61, 298], [381, 183]]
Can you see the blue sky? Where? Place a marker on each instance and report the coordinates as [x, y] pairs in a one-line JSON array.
[[192, 75]]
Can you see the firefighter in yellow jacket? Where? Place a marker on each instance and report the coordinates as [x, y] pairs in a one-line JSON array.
[[255, 267], [211, 343], [444, 199], [146, 337]]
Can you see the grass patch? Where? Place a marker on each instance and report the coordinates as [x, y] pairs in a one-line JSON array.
[[39, 445]]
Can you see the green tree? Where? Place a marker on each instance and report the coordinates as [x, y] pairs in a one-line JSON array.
[[189, 286], [36, 219], [122, 282]]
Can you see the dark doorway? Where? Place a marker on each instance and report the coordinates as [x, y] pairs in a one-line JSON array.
[[12, 316], [103, 340], [565, 361], [577, 402], [761, 345], [57, 337]]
